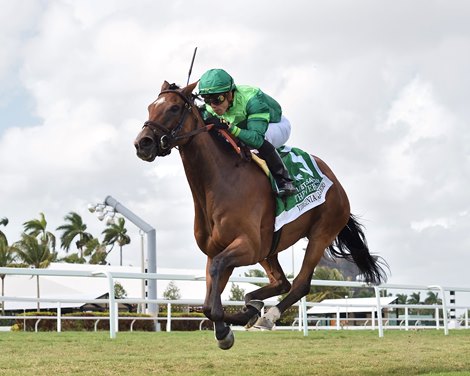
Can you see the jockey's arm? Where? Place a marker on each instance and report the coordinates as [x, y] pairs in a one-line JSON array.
[[253, 135]]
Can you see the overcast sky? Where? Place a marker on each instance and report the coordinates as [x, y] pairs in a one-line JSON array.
[[378, 89]]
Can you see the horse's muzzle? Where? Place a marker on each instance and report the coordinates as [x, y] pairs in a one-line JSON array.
[[146, 148]]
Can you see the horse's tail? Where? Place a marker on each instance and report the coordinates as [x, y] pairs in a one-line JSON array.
[[351, 245]]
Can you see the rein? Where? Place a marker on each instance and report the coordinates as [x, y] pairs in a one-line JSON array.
[[168, 140]]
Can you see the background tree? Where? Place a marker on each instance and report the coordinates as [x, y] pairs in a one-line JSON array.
[[73, 258], [119, 291], [172, 291], [96, 251], [432, 298], [258, 274], [73, 229], [319, 293], [35, 253], [116, 233], [7, 258], [3, 222], [415, 298], [236, 293], [38, 229], [401, 299]]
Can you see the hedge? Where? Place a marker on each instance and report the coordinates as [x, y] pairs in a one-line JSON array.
[[124, 325]]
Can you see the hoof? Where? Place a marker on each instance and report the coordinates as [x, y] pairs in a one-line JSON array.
[[256, 304], [252, 321], [227, 342], [263, 324]]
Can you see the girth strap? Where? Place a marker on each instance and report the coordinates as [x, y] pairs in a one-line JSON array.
[[275, 242]]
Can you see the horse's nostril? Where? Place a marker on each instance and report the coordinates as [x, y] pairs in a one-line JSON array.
[[143, 143], [146, 142]]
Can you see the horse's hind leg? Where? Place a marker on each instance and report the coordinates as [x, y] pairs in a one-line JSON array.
[[300, 285], [278, 284]]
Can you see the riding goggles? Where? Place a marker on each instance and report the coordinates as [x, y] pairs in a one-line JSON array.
[[214, 99]]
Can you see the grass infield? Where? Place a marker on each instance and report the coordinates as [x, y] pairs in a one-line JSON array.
[[254, 353]]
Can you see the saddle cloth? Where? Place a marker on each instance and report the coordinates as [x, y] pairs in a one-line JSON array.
[[311, 184]]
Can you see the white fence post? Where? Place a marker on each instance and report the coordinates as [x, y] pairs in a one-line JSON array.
[[113, 318], [379, 311], [444, 307], [168, 317], [304, 315], [338, 319], [59, 318]]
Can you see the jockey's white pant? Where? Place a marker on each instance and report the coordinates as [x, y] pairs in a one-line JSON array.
[[278, 133]]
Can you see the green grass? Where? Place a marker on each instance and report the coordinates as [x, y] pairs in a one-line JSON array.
[[254, 353]]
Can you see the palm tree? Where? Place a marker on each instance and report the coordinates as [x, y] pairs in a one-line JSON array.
[[97, 251], [116, 233], [35, 254], [319, 293], [3, 222], [432, 298], [415, 298], [73, 229], [37, 228], [7, 258], [401, 299]]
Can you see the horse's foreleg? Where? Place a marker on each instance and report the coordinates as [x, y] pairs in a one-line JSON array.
[[220, 268], [212, 307], [213, 292], [240, 318]]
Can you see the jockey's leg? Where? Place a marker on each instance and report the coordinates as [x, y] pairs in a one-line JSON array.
[[277, 134], [277, 168]]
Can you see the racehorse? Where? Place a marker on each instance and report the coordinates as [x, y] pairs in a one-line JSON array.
[[234, 208]]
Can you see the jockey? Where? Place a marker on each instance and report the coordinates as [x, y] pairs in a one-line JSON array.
[[250, 115]]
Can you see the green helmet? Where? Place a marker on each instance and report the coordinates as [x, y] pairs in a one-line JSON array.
[[215, 81]]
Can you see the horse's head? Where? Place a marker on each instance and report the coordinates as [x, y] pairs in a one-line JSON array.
[[168, 124]]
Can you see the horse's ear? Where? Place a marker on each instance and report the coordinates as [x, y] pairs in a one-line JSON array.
[[189, 89], [165, 85]]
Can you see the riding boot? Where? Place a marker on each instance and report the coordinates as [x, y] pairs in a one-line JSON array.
[[278, 169]]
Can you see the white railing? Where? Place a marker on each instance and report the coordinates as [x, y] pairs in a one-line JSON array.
[[376, 323]]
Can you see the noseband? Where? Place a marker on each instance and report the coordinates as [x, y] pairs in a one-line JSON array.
[[167, 140]]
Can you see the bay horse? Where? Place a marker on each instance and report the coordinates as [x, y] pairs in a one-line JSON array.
[[235, 212]]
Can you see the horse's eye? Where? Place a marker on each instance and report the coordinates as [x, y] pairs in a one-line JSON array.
[[175, 108]]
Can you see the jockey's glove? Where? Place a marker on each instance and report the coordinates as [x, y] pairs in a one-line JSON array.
[[217, 122]]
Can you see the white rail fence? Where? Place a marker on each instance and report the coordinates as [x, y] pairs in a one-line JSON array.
[[375, 322]]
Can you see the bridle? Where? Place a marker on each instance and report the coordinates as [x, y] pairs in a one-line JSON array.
[[170, 137]]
